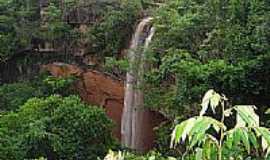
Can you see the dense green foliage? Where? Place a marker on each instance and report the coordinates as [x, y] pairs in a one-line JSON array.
[[111, 34], [21, 26], [14, 95], [55, 128], [129, 156], [210, 138], [210, 44], [53, 28], [198, 45], [116, 67], [19, 23], [223, 45], [56, 85], [24, 25]]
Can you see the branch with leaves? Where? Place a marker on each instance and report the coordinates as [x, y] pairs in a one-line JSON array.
[[209, 137]]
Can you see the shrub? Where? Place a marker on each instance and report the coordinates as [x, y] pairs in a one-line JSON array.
[[211, 44], [130, 156], [57, 85], [211, 138], [245, 81], [55, 128], [18, 25], [14, 95], [163, 139], [111, 34], [117, 67]]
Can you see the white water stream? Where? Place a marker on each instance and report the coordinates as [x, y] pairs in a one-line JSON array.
[[133, 114]]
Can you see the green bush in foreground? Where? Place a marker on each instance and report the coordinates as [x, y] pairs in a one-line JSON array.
[[129, 156], [14, 95], [207, 137], [55, 128]]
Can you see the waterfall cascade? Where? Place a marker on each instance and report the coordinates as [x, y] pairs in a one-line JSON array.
[[134, 115]]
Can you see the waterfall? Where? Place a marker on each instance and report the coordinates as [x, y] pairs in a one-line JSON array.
[[133, 113]]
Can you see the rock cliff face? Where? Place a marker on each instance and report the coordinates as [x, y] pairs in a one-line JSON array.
[[103, 90]]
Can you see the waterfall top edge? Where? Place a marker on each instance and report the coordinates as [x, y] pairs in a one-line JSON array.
[[147, 19]]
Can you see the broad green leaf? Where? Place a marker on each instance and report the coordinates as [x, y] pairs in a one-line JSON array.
[[177, 133], [207, 150], [206, 100], [246, 116], [197, 138], [244, 138], [214, 101], [265, 133], [216, 124], [199, 154], [239, 121], [152, 158], [188, 127], [253, 140], [201, 125], [264, 144], [195, 129], [267, 152], [181, 131], [229, 141], [236, 136]]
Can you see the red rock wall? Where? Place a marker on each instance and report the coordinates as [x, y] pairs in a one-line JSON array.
[[97, 88]]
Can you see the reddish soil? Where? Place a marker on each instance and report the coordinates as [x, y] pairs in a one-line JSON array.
[[99, 89]]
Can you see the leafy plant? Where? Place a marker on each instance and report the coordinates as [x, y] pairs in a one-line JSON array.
[[18, 25], [117, 67], [12, 96], [112, 33], [210, 137], [129, 156], [55, 128], [55, 27], [58, 85], [210, 44]]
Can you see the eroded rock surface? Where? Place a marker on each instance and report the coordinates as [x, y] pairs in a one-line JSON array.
[[97, 88]]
